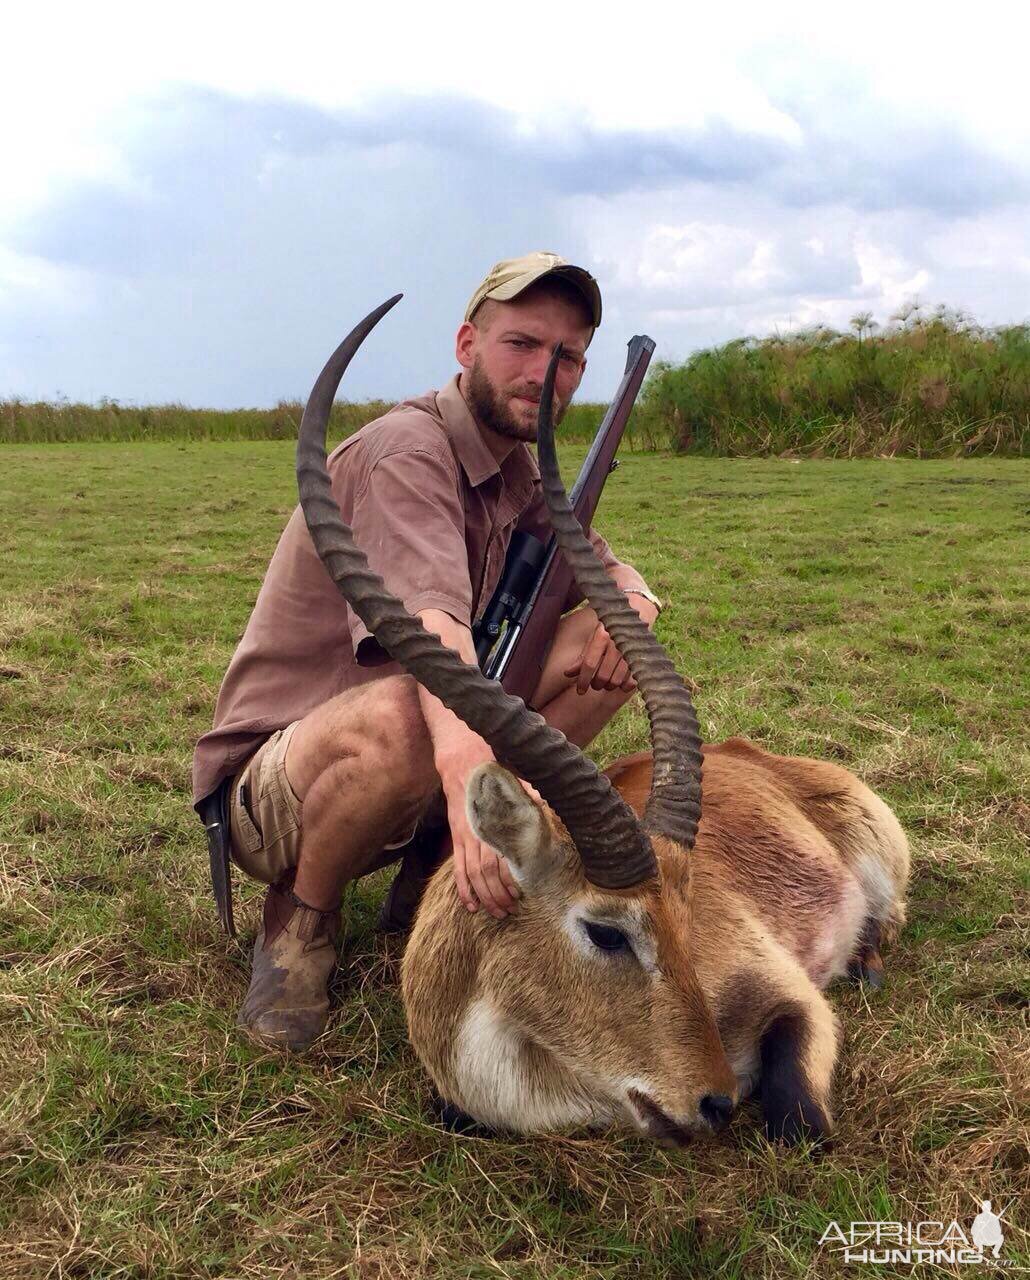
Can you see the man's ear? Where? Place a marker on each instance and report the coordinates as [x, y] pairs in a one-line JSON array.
[[507, 819], [465, 344]]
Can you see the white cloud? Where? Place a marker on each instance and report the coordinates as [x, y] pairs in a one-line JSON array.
[[33, 288], [73, 70], [888, 279], [991, 242]]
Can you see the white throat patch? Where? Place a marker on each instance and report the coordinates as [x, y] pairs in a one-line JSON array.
[[495, 1088]]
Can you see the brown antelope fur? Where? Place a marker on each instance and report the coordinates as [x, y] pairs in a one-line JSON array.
[[525, 1025]]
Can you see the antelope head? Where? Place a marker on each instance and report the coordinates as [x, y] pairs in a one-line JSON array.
[[585, 1006]]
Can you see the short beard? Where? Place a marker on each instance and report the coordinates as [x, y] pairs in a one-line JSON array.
[[492, 410]]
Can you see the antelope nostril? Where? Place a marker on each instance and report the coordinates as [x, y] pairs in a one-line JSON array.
[[716, 1109]]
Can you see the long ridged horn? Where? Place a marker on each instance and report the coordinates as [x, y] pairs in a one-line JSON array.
[[614, 849], [674, 806]]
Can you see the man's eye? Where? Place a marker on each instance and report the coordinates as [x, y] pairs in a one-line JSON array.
[[605, 936]]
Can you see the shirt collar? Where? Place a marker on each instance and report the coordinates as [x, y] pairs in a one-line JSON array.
[[478, 463]]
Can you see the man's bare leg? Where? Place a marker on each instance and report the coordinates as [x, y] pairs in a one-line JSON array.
[[580, 716], [362, 764], [362, 767]]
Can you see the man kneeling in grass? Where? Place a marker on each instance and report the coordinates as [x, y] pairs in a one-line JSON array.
[[333, 759]]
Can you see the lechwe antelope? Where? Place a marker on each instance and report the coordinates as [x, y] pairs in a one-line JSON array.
[[671, 942]]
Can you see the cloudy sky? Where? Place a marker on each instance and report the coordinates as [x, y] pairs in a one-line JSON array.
[[199, 200]]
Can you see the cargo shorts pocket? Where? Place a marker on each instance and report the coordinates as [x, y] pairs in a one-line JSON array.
[[265, 814]]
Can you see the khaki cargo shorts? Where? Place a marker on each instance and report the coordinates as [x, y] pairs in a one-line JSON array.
[[265, 816], [264, 813]]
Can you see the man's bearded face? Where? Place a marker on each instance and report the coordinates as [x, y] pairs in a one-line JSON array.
[[511, 410]]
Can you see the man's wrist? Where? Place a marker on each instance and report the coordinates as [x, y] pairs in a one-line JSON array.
[[457, 751]]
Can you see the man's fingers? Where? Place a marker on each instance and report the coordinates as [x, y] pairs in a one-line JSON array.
[[619, 675], [584, 671], [506, 891], [606, 668], [605, 671], [485, 870], [508, 880], [592, 655], [501, 901], [531, 791], [461, 879], [488, 886]]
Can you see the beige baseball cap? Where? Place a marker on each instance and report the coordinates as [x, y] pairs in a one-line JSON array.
[[507, 279]]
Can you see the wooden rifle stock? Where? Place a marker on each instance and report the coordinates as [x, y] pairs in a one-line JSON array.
[[524, 648]]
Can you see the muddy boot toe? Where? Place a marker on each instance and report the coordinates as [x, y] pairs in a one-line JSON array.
[[287, 1003]]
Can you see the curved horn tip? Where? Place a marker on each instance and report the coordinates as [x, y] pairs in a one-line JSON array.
[[377, 313], [384, 307]]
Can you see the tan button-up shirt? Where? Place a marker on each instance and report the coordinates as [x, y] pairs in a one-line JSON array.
[[434, 512]]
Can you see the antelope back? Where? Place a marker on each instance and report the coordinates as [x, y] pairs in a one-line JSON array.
[[801, 844]]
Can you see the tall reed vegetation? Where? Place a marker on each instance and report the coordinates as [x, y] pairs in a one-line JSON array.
[[929, 385], [26, 422]]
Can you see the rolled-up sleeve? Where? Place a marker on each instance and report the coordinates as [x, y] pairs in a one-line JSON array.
[[409, 521]]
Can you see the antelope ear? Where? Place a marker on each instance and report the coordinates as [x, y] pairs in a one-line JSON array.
[[504, 816]]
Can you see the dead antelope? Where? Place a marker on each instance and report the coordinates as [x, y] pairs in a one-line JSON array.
[[672, 940]]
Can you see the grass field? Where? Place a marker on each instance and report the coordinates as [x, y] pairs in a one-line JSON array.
[[872, 612]]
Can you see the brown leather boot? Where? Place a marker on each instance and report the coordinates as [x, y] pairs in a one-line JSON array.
[[287, 1004]]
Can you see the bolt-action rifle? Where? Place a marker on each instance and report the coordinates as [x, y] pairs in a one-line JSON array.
[[515, 633]]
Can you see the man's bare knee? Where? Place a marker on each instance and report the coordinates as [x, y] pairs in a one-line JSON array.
[[380, 758], [383, 726], [369, 730], [398, 731]]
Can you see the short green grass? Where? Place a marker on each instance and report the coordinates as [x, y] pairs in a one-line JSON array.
[[874, 613]]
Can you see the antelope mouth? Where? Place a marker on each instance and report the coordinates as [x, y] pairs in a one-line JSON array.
[[656, 1123]]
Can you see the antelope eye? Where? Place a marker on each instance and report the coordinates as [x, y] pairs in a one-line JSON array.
[[605, 936]]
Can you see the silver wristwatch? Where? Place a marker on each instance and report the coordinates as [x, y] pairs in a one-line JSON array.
[[648, 595]]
